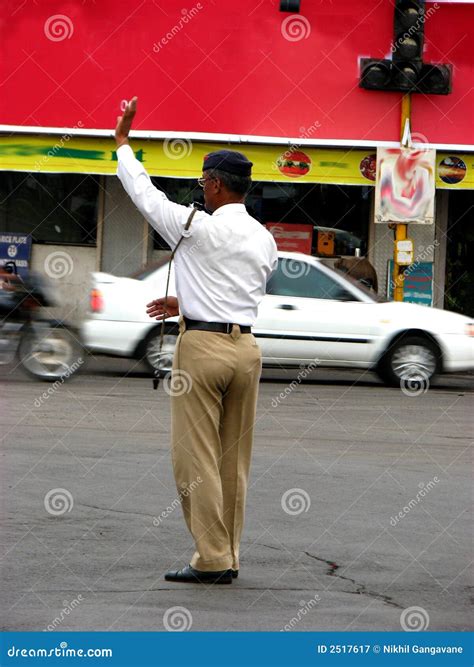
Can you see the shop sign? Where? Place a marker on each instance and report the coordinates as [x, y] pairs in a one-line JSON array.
[[454, 171], [417, 283], [290, 237], [182, 158]]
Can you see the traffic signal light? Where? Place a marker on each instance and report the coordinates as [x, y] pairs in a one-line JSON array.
[[406, 72], [408, 30], [407, 48], [435, 79]]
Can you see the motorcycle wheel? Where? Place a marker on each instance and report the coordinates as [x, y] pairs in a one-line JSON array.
[[50, 353]]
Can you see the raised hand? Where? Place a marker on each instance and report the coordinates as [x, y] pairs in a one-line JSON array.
[[156, 308], [124, 123]]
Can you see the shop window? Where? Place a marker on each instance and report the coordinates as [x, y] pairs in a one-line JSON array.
[[295, 278], [53, 208], [339, 215]]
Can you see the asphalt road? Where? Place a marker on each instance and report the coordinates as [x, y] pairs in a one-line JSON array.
[[357, 514]]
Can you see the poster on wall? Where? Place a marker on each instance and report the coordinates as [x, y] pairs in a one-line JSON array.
[[417, 284], [405, 185], [291, 238]]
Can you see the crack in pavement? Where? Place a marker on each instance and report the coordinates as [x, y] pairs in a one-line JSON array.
[[268, 546], [360, 588], [332, 572], [111, 509]]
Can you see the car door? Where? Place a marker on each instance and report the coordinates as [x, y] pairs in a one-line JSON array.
[[310, 314]]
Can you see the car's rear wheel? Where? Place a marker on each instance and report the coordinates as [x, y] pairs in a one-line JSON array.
[[160, 360], [411, 358]]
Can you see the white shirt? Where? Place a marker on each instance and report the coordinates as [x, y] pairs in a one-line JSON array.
[[225, 260]]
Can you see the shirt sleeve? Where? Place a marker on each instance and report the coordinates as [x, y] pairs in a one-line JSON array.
[[166, 217], [273, 256]]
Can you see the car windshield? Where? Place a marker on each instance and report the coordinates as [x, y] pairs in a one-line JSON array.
[[146, 271]]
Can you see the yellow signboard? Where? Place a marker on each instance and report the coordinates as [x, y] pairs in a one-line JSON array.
[[455, 171], [182, 158]]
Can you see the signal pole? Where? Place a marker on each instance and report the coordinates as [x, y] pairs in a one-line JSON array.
[[401, 229], [405, 72]]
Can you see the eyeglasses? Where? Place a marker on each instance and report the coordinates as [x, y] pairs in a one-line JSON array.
[[202, 181]]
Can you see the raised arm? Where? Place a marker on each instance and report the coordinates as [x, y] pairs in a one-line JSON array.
[[166, 217], [124, 123]]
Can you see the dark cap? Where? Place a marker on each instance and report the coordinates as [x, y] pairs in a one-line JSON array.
[[230, 161]]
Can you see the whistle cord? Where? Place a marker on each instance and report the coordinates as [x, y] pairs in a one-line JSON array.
[[156, 379]]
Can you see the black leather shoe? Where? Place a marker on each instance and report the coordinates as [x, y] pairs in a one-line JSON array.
[[235, 574], [188, 575]]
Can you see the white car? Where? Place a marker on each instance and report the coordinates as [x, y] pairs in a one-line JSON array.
[[311, 314]]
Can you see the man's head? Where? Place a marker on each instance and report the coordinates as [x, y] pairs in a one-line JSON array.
[[226, 178]]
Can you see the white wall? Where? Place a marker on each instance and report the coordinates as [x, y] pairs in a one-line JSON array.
[[126, 234]]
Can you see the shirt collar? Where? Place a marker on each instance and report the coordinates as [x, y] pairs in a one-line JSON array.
[[230, 208]]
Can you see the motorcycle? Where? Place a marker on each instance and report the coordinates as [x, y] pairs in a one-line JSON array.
[[46, 349]]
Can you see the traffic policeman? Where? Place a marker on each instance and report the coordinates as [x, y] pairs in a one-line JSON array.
[[221, 270]]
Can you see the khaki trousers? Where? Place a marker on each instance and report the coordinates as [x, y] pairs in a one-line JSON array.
[[214, 388]]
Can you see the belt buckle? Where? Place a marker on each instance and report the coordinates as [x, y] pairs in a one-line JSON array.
[[229, 328]]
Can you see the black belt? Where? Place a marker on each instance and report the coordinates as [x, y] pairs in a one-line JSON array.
[[216, 327]]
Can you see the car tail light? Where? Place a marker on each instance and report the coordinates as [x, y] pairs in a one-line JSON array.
[[469, 329], [96, 301]]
